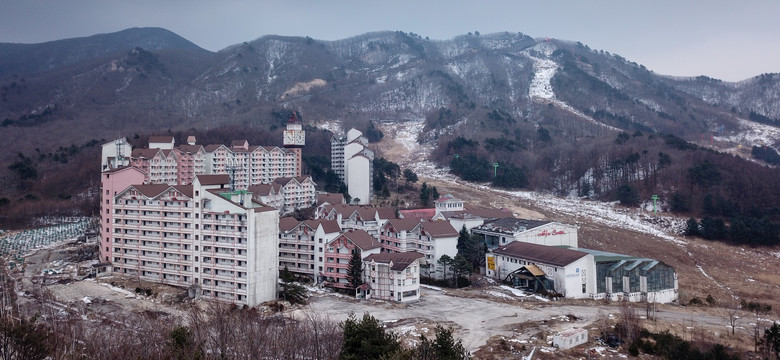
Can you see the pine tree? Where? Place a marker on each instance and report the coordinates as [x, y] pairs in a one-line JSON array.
[[425, 194], [290, 290], [355, 269], [366, 339], [460, 267]]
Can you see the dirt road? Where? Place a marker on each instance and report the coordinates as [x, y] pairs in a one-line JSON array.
[[477, 318]]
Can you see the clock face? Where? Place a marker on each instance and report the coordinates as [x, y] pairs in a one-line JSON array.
[[300, 137], [289, 137]]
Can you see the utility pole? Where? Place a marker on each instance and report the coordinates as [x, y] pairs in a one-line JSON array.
[[495, 169], [655, 198]]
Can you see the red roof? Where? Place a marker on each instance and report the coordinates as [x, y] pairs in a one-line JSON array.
[[329, 226], [161, 139], [330, 199], [288, 223], [403, 224], [361, 239], [546, 254], [439, 229], [220, 179], [426, 214], [400, 261]]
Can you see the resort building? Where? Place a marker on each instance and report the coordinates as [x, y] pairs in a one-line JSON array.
[[219, 243], [392, 276]]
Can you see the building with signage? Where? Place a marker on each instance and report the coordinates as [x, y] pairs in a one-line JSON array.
[[582, 273], [504, 231]]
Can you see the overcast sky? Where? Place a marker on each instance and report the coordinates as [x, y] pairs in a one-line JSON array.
[[726, 39]]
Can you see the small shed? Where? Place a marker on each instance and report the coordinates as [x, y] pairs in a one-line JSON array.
[[570, 338]]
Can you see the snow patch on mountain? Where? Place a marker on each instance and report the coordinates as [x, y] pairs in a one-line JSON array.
[[753, 133], [544, 70]]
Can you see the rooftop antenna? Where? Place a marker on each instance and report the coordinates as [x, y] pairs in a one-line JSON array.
[[119, 155], [231, 165]]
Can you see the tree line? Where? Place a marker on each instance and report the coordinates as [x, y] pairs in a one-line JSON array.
[[629, 168]]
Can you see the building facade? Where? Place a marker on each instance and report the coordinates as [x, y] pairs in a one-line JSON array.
[[353, 162], [219, 243], [503, 231], [583, 273], [339, 251], [392, 276]]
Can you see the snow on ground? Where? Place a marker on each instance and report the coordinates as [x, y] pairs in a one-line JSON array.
[[498, 294], [544, 70], [541, 87], [753, 133], [430, 287], [333, 126]]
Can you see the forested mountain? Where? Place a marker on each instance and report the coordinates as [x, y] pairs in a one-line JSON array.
[[555, 115]]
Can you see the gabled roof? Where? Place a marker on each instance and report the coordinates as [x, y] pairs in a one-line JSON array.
[[366, 213], [403, 224], [239, 143], [328, 226], [426, 214], [329, 198], [439, 229], [288, 223], [400, 261], [151, 190], [161, 139], [343, 209], [186, 190], [189, 149], [214, 147], [386, 213], [262, 189], [144, 153], [361, 239], [512, 225], [474, 212], [219, 179], [540, 253]]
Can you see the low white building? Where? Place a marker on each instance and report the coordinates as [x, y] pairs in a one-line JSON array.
[[540, 268], [454, 210], [503, 231], [582, 273], [570, 338], [392, 276]]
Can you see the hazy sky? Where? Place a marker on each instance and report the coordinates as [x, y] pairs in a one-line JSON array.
[[726, 39]]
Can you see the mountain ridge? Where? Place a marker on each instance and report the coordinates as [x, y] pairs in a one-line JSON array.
[[379, 76]]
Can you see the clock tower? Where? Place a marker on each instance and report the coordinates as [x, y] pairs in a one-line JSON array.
[[294, 139]]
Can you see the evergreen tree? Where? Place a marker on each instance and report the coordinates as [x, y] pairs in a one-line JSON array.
[[627, 195], [460, 267], [679, 203], [366, 339], [290, 290], [445, 260], [443, 347], [410, 176], [425, 194], [692, 227], [355, 269]]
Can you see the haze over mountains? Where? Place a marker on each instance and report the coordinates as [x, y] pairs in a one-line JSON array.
[[150, 79]]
